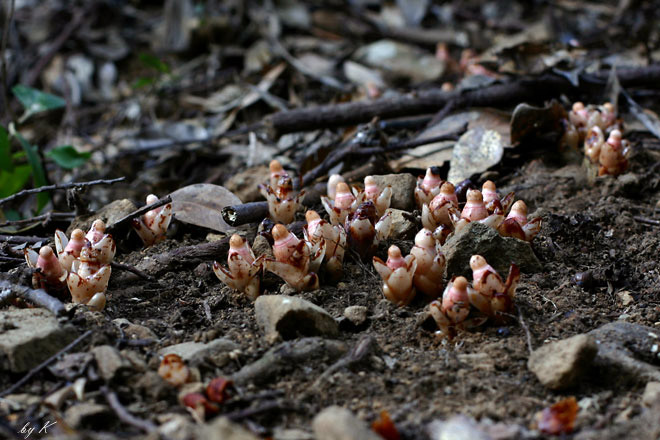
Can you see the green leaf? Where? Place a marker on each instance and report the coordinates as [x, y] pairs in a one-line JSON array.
[[143, 82], [154, 62], [6, 163], [68, 157], [38, 172], [35, 101], [13, 182]]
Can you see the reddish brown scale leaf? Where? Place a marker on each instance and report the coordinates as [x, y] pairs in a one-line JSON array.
[[217, 389], [384, 427], [558, 418], [197, 401]]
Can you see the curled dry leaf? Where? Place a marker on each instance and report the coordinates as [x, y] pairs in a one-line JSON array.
[[476, 151], [201, 205], [558, 418]]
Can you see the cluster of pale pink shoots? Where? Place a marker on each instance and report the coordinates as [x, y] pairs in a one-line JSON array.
[[360, 220], [81, 268], [599, 131]]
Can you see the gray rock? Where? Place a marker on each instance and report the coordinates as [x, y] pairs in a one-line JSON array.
[[651, 394], [403, 189], [224, 429], [86, 414], [627, 352], [29, 337], [356, 314], [336, 423], [404, 226], [561, 364], [289, 316], [109, 361], [195, 353], [500, 252]]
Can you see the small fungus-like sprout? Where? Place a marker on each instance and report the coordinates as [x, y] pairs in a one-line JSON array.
[[152, 226], [397, 274]]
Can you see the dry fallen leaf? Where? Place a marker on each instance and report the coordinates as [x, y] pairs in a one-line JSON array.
[[200, 205], [476, 151]]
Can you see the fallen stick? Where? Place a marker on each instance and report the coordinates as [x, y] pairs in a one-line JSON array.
[[251, 212], [39, 297], [59, 186], [18, 239], [132, 269], [138, 212], [124, 415], [44, 364], [527, 89]]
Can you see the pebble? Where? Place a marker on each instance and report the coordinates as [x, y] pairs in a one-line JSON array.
[[356, 314], [403, 189], [109, 361], [134, 331], [287, 317], [562, 364], [404, 226], [336, 423], [651, 394]]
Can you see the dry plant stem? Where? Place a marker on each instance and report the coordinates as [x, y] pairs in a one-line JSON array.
[[3, 48], [364, 347], [126, 219], [528, 335], [36, 296], [264, 407], [44, 364], [132, 269], [527, 89], [21, 239], [251, 212], [188, 255], [45, 218], [648, 221], [124, 415], [59, 186]]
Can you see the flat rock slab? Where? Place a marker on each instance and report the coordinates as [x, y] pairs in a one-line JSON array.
[[289, 317], [628, 352], [336, 423], [194, 353], [29, 337], [500, 252], [403, 189], [561, 364]]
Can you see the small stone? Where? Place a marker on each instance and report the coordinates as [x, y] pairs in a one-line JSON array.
[[336, 423], [109, 361], [561, 364], [289, 317], [356, 314], [260, 247], [404, 226], [195, 353], [651, 394], [152, 385], [224, 429], [403, 189], [29, 337], [91, 415], [246, 184], [110, 213], [177, 427], [500, 252], [456, 428], [134, 331]]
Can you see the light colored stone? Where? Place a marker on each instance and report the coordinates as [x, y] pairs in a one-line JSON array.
[[194, 353], [29, 337], [260, 247], [290, 316], [561, 364], [336, 423], [224, 429], [456, 428], [134, 331], [356, 314], [85, 414], [651, 394], [109, 361], [404, 226], [403, 189], [500, 252]]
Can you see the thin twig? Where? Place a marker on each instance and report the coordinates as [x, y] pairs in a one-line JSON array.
[[44, 364], [648, 221], [59, 186], [46, 218], [526, 329], [249, 412], [164, 201], [132, 269], [124, 415], [22, 239], [36, 296]]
